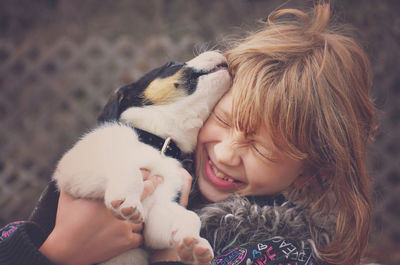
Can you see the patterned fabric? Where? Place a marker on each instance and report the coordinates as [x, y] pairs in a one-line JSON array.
[[9, 229], [275, 251], [19, 244]]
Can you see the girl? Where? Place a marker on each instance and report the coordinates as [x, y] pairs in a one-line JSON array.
[[295, 122], [280, 163]]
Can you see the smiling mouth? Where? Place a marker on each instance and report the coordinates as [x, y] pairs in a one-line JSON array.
[[221, 175]]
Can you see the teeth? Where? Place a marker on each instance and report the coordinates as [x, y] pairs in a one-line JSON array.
[[219, 174]]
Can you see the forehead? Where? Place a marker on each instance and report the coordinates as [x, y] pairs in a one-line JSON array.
[[245, 114], [259, 133], [225, 103]]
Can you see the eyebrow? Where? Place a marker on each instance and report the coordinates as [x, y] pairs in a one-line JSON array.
[[226, 113], [223, 111], [261, 140]]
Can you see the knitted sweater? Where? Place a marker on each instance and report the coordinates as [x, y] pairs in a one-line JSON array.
[[261, 230]]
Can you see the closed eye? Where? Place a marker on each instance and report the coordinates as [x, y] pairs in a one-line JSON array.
[[262, 152], [221, 120]]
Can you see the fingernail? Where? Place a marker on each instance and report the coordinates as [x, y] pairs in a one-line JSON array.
[[160, 179]]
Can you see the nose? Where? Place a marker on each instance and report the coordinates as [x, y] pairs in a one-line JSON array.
[[228, 151]]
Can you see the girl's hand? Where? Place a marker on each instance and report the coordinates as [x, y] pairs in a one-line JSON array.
[[187, 185], [170, 254], [86, 232]]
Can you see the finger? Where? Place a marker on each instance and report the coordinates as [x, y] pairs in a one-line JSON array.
[[65, 197], [145, 173], [187, 185], [137, 228], [135, 240], [150, 185]]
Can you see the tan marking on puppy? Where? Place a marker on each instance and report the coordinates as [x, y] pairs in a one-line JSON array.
[[162, 91]]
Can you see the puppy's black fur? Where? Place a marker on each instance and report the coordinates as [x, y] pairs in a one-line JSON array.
[[133, 94]]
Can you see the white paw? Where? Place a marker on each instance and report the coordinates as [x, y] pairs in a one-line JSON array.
[[126, 208], [193, 250]]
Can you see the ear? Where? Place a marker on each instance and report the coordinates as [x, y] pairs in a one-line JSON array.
[[111, 109], [306, 176], [301, 181]]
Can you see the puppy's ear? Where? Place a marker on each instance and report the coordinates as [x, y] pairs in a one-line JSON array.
[[111, 109]]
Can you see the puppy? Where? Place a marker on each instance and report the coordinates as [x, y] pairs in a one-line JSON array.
[[170, 102]]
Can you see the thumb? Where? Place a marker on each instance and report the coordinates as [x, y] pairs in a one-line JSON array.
[[187, 185], [150, 185]]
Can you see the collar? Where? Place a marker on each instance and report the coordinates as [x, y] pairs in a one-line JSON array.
[[166, 146]]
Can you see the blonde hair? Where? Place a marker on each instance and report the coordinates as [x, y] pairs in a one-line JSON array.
[[309, 85]]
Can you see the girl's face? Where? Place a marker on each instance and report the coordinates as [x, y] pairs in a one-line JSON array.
[[228, 163]]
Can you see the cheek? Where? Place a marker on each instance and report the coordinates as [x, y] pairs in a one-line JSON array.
[[201, 136], [271, 178], [200, 147], [206, 132]]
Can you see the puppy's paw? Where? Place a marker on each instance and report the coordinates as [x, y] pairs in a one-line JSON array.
[[126, 209], [193, 250]]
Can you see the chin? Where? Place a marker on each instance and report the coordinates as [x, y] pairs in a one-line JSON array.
[[209, 192], [207, 189]]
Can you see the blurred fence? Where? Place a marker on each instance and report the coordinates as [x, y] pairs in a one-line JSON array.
[[52, 95]]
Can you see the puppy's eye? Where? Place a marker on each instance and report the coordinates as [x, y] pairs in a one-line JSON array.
[[176, 85]]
